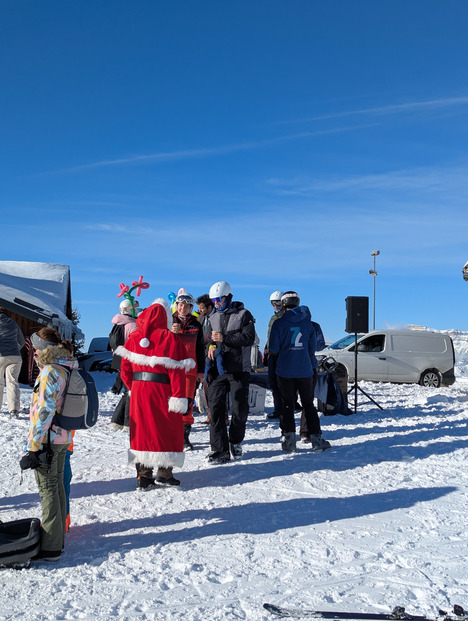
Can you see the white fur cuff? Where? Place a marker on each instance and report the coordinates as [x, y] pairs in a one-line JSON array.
[[178, 405]]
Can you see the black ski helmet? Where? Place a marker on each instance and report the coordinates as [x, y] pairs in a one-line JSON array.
[[290, 299]]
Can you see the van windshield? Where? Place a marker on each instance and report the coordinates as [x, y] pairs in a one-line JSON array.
[[344, 342]]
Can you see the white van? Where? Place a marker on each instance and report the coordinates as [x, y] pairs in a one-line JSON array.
[[402, 356]]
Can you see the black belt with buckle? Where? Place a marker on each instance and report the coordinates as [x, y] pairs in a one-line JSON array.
[[147, 376]]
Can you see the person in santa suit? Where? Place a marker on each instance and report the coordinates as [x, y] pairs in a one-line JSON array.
[[154, 364]]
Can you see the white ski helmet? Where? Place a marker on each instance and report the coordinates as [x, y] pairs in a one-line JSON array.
[[220, 289], [276, 296], [126, 306]]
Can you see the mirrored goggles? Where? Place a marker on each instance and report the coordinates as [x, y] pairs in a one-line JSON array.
[[184, 299]]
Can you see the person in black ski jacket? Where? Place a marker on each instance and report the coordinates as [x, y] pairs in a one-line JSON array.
[[233, 328]]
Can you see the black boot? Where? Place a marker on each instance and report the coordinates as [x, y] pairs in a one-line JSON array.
[[188, 446]]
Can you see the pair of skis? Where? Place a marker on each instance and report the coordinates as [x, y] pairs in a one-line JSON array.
[[398, 614]]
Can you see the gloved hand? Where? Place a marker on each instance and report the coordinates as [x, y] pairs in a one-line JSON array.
[[265, 358], [30, 460], [34, 459]]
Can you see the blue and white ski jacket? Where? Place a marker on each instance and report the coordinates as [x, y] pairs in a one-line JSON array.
[[293, 340]]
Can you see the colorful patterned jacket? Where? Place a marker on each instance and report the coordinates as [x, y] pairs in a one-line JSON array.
[[47, 397]]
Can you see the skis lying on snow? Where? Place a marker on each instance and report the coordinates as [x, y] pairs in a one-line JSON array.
[[398, 614]]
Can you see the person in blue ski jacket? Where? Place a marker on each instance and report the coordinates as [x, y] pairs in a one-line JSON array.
[[319, 345], [292, 346]]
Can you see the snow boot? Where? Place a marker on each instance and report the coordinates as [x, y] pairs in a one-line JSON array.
[[48, 555], [188, 446], [14, 414], [319, 443], [236, 450], [219, 457], [288, 442], [145, 484], [164, 476], [305, 438]]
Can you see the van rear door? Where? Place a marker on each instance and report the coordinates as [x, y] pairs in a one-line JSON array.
[[411, 354]]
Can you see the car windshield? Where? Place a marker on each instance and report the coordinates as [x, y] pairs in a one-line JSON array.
[[344, 342]]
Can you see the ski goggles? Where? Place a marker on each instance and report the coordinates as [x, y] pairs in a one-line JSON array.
[[39, 343], [184, 299], [276, 303], [218, 300]]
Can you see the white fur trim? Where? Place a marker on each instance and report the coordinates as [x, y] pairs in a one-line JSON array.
[[163, 302], [156, 460], [153, 361], [178, 405], [144, 342]]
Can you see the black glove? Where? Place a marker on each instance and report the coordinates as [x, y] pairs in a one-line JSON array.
[[33, 459], [265, 359]]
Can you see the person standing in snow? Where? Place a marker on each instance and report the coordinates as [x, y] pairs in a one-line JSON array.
[[205, 310], [292, 349], [52, 354], [275, 301], [189, 331], [319, 345], [124, 324], [154, 365], [233, 327], [11, 342]]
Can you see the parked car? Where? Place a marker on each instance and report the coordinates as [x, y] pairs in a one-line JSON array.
[[400, 356], [98, 356]]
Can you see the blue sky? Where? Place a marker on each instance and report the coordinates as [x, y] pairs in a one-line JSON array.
[[273, 144]]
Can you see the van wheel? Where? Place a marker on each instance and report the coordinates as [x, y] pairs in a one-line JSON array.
[[430, 378]]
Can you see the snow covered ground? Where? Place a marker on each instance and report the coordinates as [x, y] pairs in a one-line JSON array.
[[378, 521]]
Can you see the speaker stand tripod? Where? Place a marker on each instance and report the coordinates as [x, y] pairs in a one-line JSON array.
[[355, 387]]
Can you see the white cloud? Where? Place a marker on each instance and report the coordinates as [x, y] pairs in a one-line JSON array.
[[185, 154], [392, 109]]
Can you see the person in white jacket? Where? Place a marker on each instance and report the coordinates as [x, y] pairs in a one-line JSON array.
[[11, 342]]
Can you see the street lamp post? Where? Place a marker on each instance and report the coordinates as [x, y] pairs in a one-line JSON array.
[[373, 273]]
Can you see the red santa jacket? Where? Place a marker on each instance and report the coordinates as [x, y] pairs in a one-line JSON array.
[[156, 407]]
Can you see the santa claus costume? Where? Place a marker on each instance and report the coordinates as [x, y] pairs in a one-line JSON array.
[[154, 364]]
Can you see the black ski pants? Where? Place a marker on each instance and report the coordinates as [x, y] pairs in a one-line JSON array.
[[305, 386], [303, 425], [237, 385], [273, 385]]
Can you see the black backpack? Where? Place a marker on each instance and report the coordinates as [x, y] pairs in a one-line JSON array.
[[116, 338]]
